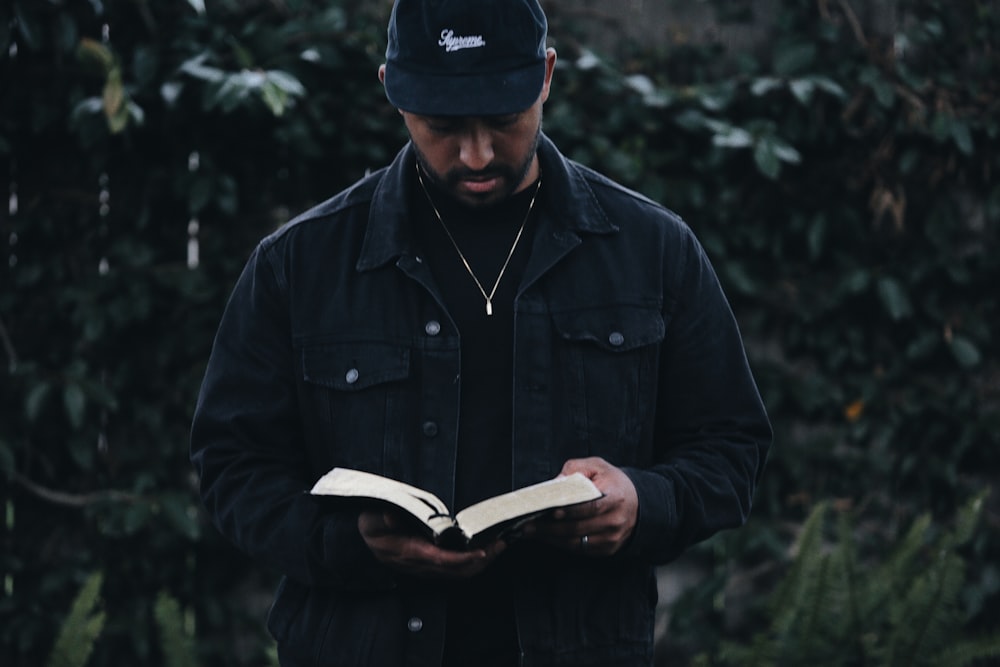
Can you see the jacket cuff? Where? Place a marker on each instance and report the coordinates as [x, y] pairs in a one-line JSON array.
[[655, 518]]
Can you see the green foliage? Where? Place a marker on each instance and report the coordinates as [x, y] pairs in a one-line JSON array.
[[85, 622], [81, 628], [839, 606], [176, 642], [840, 172]]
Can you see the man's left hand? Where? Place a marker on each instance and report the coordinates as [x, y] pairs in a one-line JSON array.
[[598, 528]]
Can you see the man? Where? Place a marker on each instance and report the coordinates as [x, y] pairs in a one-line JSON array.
[[480, 315]]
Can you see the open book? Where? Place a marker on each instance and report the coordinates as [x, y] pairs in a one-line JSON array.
[[477, 524]]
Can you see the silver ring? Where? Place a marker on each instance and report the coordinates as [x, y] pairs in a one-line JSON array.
[[583, 542]]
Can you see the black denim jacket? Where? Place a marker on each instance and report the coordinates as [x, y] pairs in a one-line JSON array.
[[335, 350]]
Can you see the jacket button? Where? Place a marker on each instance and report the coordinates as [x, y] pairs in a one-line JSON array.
[[415, 624], [433, 328], [616, 338], [430, 429], [352, 376]]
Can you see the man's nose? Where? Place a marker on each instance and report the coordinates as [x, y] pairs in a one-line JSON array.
[[476, 147]]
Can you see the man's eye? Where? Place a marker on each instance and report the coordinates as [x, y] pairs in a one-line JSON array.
[[443, 126], [501, 122]]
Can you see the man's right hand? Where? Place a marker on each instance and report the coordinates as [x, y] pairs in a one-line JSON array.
[[394, 545]]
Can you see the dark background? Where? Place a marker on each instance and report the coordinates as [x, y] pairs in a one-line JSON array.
[[839, 163]]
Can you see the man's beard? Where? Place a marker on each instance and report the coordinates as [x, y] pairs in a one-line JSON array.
[[510, 177]]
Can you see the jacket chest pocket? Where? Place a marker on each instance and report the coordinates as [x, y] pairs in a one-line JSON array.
[[354, 398], [607, 360]]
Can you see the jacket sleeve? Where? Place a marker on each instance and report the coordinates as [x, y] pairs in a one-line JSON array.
[[712, 434], [247, 446]]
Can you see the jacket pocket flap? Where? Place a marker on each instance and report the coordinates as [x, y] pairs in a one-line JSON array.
[[356, 365], [612, 328]]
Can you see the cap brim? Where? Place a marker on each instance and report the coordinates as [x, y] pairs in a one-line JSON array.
[[480, 94]]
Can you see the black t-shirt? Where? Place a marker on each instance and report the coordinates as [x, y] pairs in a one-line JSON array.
[[481, 626]]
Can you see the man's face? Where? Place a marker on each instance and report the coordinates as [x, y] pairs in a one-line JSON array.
[[479, 161]]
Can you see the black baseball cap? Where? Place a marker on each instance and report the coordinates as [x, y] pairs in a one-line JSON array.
[[465, 57]]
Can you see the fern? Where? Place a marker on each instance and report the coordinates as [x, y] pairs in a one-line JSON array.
[[178, 646], [808, 550], [82, 627], [831, 610], [965, 652]]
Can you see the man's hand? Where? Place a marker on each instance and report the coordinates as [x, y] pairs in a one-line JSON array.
[[600, 527], [386, 534]]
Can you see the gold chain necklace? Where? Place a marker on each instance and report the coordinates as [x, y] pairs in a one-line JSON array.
[[465, 262]]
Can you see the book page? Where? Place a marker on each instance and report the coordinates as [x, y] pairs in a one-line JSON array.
[[348, 483], [553, 493]]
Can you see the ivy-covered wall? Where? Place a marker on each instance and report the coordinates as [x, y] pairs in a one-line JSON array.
[[843, 180]]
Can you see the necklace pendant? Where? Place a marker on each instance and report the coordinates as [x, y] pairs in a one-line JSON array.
[[489, 307]]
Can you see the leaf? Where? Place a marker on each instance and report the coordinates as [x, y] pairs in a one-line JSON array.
[[717, 98], [691, 120], [28, 30], [908, 160], [894, 298], [962, 137], [922, 346], [195, 67], [113, 97], [145, 64], [135, 113], [66, 33], [88, 106], [198, 6], [588, 60], [181, 514], [81, 628], [200, 193], [802, 89], [178, 645], [792, 58], [640, 83], [75, 403], [733, 137], [647, 89], [275, 98], [857, 281], [90, 50], [286, 82], [816, 236], [766, 158], [830, 86], [100, 394], [965, 352], [785, 152], [739, 278], [170, 91], [885, 95], [764, 85], [35, 400]]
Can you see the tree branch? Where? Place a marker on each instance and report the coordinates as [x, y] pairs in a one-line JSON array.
[[852, 18], [74, 499]]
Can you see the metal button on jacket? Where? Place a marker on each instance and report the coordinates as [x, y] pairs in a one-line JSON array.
[[433, 328], [616, 338], [352, 376], [430, 429], [415, 624]]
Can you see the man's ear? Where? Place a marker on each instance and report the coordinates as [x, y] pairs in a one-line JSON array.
[[550, 66], [381, 74]]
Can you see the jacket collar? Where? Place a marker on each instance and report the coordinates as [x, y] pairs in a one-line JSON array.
[[568, 200]]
